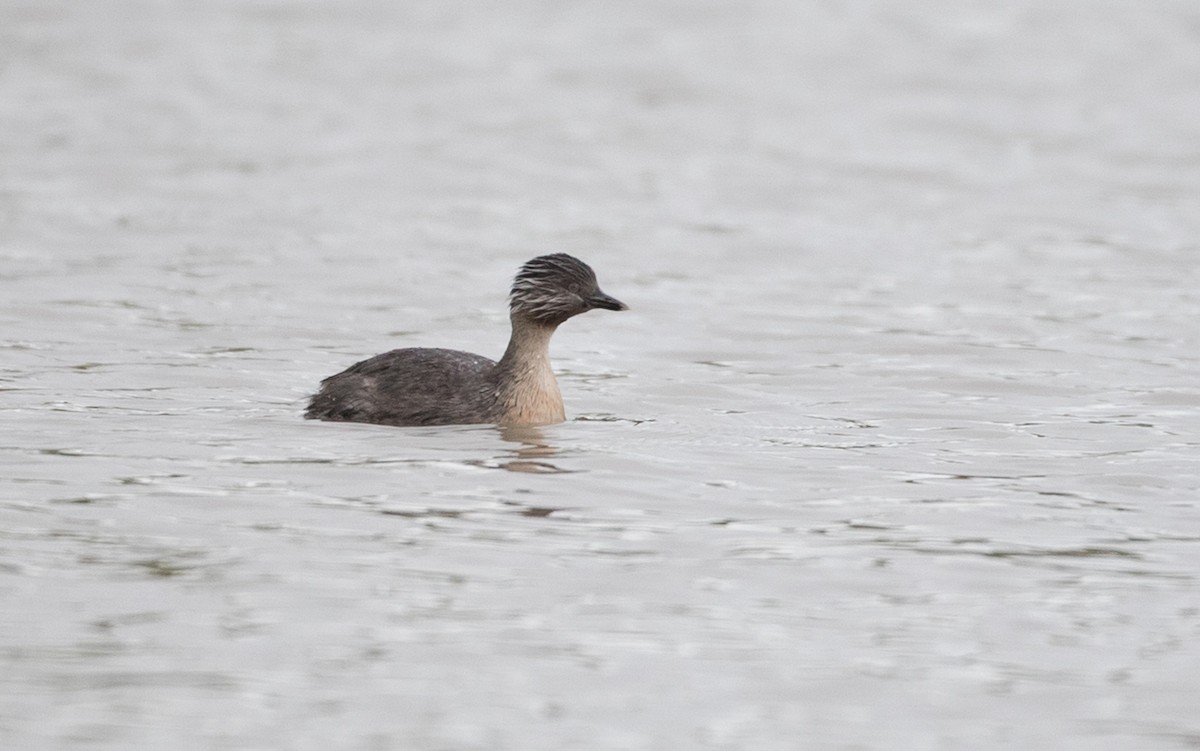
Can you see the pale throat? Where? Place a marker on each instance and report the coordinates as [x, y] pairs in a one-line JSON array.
[[528, 389]]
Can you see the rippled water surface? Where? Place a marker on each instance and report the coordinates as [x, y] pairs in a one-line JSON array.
[[898, 447]]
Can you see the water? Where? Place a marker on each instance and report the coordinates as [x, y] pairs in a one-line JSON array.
[[896, 449]]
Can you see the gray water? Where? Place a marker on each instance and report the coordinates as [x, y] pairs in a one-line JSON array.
[[897, 448]]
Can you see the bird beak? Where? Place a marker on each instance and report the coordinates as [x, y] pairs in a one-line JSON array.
[[601, 300]]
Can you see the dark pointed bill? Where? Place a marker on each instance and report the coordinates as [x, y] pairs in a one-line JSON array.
[[601, 300]]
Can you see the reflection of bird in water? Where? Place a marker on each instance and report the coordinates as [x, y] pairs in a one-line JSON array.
[[422, 386], [531, 456]]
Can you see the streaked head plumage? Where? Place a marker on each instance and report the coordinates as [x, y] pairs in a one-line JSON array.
[[550, 289]]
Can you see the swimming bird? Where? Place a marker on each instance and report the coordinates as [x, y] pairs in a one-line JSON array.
[[428, 386]]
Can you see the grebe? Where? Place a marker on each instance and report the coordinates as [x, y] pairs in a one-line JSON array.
[[425, 386]]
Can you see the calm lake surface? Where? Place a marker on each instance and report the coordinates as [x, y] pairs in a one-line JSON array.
[[898, 447]]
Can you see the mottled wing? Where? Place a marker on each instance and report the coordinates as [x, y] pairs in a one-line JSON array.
[[415, 386]]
